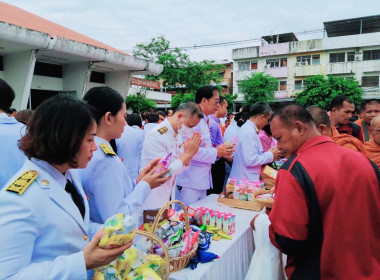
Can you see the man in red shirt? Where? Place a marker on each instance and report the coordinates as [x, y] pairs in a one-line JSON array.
[[326, 213]]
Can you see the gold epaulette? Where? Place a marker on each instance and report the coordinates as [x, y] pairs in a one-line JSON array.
[[107, 149], [23, 182], [163, 130]]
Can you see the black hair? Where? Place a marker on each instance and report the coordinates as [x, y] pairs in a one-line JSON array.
[[7, 95], [260, 108], [221, 99], [337, 101], [267, 130], [161, 113], [134, 119], [56, 130], [291, 113], [243, 118], [370, 102], [152, 117], [205, 92], [103, 100]]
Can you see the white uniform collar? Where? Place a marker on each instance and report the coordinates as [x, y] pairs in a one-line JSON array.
[[58, 176], [4, 118]]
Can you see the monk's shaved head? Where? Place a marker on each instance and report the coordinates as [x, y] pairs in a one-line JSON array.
[[319, 115], [375, 121]]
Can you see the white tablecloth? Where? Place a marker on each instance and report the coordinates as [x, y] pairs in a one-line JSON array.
[[235, 255]]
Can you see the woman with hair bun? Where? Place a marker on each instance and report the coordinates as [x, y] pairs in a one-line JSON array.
[[106, 180]]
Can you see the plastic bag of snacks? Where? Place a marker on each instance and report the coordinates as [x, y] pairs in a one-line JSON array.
[[117, 231], [133, 264]]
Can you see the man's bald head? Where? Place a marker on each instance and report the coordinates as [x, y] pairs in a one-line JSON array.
[[321, 119], [375, 127], [292, 113], [292, 126]]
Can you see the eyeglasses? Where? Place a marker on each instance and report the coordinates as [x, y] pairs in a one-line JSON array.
[[215, 101]]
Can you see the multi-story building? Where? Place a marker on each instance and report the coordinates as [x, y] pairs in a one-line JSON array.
[[39, 58], [350, 50]]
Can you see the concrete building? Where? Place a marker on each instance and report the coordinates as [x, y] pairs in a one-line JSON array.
[[39, 58], [226, 74], [350, 50]]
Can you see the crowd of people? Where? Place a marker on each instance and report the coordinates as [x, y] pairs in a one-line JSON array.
[[71, 164]]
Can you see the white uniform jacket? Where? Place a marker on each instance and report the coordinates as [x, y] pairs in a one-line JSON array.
[[231, 131], [109, 188], [12, 158], [42, 231], [129, 147], [249, 156], [158, 145], [198, 175]]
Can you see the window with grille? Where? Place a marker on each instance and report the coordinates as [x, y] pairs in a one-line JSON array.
[[337, 57], [243, 66], [370, 81], [282, 85], [371, 55], [298, 84], [350, 56]]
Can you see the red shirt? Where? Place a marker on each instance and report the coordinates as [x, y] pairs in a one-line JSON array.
[[326, 214]]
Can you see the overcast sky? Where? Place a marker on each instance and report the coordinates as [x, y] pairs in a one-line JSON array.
[[124, 23]]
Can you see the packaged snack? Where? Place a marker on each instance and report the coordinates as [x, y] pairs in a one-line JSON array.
[[124, 262], [117, 231], [144, 274], [269, 172]]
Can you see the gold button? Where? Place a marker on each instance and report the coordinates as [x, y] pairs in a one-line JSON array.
[[45, 182], [85, 237]]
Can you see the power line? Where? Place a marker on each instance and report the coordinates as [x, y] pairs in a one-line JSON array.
[[239, 42]]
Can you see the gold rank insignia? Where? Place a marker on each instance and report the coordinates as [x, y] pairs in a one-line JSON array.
[[107, 149], [257, 130], [23, 182], [163, 130]]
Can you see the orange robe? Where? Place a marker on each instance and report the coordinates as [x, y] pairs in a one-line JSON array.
[[365, 130], [347, 141], [373, 151]]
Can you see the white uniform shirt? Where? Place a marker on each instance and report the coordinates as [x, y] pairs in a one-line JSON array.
[[129, 147], [109, 188], [198, 175], [12, 158], [249, 156], [159, 145], [42, 231], [231, 131]]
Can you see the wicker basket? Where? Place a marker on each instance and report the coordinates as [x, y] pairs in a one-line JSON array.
[[242, 204], [179, 262], [158, 240], [263, 203]]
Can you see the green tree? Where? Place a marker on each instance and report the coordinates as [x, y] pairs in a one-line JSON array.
[[139, 103], [259, 87], [179, 73], [320, 90], [181, 98], [230, 99]]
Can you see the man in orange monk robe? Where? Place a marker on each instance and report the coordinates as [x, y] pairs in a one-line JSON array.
[[372, 147], [324, 127]]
